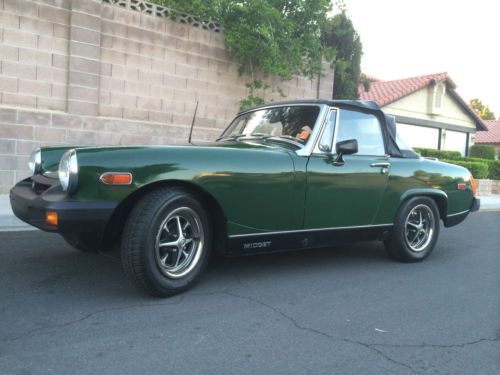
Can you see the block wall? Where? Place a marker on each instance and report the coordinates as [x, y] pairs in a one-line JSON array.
[[115, 72]]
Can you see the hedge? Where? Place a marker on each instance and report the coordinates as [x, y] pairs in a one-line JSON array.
[[493, 166], [494, 169], [478, 160], [482, 151], [478, 170], [440, 154], [454, 157]]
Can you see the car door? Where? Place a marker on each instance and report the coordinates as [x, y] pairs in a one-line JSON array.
[[346, 194]]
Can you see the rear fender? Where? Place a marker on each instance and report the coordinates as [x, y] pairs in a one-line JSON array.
[[439, 196]]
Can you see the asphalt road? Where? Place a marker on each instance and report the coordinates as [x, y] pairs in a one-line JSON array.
[[347, 310]]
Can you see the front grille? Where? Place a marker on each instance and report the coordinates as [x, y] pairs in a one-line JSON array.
[[40, 183]]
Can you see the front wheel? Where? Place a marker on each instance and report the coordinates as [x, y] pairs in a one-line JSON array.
[[166, 242], [415, 231]]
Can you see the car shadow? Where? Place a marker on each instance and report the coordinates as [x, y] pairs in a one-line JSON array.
[[49, 265]]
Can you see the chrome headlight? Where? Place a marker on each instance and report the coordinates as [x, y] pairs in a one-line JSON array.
[[35, 162], [68, 171]]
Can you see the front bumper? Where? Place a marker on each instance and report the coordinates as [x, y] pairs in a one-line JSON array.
[[74, 216]]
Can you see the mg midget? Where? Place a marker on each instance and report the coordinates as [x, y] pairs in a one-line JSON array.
[[284, 176]]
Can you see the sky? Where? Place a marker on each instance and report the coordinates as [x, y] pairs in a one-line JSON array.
[[408, 38]]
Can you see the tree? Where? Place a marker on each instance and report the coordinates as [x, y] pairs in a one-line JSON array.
[[341, 36], [482, 110], [283, 38]]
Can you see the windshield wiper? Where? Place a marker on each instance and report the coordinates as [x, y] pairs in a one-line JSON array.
[[285, 139], [254, 135], [225, 138], [276, 138], [242, 136]]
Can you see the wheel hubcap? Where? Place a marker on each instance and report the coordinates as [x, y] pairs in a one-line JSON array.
[[179, 242], [419, 228]]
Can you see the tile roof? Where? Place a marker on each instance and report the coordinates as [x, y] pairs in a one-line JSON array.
[[385, 92], [492, 135]]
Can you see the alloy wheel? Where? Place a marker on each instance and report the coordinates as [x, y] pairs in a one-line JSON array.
[[419, 227], [179, 242]]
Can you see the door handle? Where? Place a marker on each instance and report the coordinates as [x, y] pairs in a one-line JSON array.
[[384, 166], [380, 165]]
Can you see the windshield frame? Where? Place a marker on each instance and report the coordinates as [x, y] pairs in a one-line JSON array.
[[307, 148]]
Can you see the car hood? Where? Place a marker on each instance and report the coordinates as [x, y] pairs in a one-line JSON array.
[[51, 155]]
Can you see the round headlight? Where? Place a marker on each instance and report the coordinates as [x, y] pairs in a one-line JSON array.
[[35, 162], [68, 171]]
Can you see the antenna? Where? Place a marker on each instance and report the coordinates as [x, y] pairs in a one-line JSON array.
[[192, 123]]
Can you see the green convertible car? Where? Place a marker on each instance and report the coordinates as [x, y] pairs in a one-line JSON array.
[[290, 175]]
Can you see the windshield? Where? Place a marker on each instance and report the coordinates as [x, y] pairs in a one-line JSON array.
[[288, 122]]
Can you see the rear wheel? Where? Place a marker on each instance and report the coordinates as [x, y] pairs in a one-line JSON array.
[[166, 242], [415, 231]]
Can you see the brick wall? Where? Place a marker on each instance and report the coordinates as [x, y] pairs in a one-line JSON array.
[[91, 72], [34, 53], [488, 187]]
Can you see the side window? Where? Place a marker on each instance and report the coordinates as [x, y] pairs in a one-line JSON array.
[[364, 127]]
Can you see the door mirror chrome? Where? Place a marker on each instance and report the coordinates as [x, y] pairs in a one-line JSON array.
[[347, 147]]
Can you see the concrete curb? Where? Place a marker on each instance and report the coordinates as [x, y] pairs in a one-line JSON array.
[[8, 222]]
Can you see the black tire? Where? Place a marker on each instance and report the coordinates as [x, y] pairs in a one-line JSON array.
[[148, 226], [417, 243], [84, 242]]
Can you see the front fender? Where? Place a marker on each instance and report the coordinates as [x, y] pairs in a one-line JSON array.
[[254, 186]]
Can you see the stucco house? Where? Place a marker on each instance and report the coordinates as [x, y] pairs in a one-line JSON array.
[[491, 136], [428, 111]]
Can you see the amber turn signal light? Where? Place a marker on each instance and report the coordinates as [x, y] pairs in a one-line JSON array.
[[116, 178], [51, 218], [473, 183]]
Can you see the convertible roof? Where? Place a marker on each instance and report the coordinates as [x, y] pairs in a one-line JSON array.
[[363, 104], [389, 130]]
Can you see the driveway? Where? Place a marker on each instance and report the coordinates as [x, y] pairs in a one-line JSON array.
[[345, 310]]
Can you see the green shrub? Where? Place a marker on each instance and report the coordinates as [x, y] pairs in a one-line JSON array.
[[478, 170], [478, 160], [494, 168], [440, 154], [483, 152], [479, 167]]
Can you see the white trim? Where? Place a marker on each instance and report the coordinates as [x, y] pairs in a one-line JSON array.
[[458, 213], [310, 230]]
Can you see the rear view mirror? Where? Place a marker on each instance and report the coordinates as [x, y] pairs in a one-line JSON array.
[[347, 147]]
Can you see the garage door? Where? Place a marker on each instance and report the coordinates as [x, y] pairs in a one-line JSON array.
[[454, 141]]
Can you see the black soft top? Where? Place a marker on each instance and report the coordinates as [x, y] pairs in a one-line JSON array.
[[363, 104], [388, 122]]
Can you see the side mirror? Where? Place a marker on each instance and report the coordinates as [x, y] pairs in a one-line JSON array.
[[347, 147]]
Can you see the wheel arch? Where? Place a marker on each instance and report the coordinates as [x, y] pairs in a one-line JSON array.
[[438, 196], [114, 228]]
